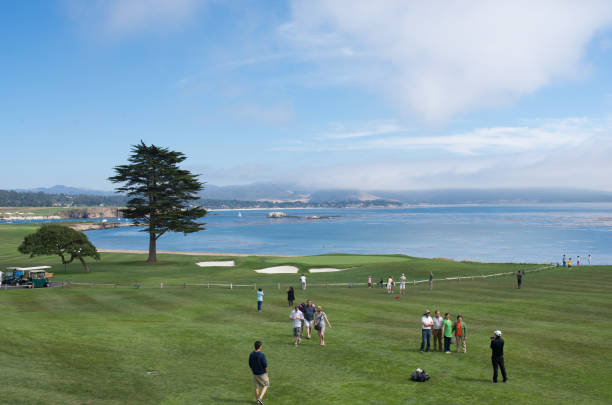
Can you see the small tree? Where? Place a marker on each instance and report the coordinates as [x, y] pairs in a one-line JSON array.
[[54, 239], [160, 193]]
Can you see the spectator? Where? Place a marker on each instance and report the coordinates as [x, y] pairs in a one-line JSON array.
[[402, 284], [569, 262], [426, 324], [297, 317], [381, 282], [303, 281], [437, 331], [260, 295], [389, 285], [459, 329], [309, 312], [259, 367], [519, 278], [447, 332], [320, 319], [369, 281], [430, 280], [497, 355], [290, 296]]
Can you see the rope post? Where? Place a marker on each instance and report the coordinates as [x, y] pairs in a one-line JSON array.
[[457, 278], [255, 286], [161, 285], [209, 284], [414, 283], [351, 284], [278, 285], [184, 285], [231, 286], [92, 285], [116, 284]]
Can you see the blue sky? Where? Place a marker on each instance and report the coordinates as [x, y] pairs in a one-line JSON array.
[[322, 94]]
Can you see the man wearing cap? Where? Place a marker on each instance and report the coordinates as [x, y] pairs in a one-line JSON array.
[[426, 324], [497, 355]]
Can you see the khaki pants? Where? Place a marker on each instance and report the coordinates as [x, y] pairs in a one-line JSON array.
[[437, 336], [460, 341]]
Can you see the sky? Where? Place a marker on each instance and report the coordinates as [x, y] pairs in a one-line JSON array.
[[320, 94]]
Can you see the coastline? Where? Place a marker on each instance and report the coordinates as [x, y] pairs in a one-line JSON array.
[[191, 253]]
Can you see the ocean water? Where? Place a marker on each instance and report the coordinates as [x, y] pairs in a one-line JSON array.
[[509, 233]]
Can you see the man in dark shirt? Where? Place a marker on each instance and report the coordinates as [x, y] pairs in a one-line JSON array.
[[259, 366], [497, 355], [519, 278], [309, 311]]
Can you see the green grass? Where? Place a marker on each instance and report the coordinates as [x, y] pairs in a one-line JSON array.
[[86, 345]]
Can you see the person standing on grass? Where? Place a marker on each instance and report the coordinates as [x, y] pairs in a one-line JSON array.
[[260, 295], [519, 278], [301, 309], [296, 317], [497, 355], [303, 281], [577, 261], [426, 324], [564, 261], [320, 319], [459, 329], [437, 331], [447, 332], [369, 281], [290, 296], [390, 285], [589, 258], [381, 282], [402, 284], [430, 280], [569, 262], [259, 367], [309, 313], [1, 275]]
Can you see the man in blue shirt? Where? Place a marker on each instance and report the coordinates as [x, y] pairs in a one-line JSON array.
[[259, 366], [260, 295]]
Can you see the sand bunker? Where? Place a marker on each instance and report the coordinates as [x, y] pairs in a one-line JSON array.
[[228, 263], [279, 270], [325, 270]]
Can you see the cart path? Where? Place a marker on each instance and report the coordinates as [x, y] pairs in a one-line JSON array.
[[191, 253]]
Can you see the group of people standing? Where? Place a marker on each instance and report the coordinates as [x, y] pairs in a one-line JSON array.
[[391, 283], [568, 262], [442, 328]]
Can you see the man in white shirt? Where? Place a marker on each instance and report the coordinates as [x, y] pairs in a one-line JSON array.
[[426, 324], [437, 331], [303, 281], [1, 275], [297, 317], [402, 283]]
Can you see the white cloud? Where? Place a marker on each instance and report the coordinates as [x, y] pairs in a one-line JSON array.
[[119, 18], [436, 59], [563, 153]]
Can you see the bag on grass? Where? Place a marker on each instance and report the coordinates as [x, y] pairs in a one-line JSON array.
[[420, 375]]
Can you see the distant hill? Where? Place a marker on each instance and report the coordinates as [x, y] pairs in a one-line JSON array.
[[61, 189]]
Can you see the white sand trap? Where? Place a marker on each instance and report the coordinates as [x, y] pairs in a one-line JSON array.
[[278, 270], [229, 263], [325, 270]]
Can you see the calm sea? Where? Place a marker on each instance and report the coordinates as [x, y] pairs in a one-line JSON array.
[[512, 233]]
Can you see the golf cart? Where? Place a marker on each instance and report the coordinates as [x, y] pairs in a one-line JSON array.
[[33, 277]]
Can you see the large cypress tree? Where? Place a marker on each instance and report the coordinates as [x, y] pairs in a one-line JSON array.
[[160, 193]]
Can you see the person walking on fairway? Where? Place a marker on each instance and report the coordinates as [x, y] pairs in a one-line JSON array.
[[519, 278], [309, 312], [303, 281], [297, 317], [447, 332], [459, 329], [402, 284], [497, 355], [369, 281], [320, 319], [430, 280], [426, 324], [437, 331], [259, 367], [260, 295], [290, 296], [564, 261]]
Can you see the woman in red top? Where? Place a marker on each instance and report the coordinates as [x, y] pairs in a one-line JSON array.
[[459, 331]]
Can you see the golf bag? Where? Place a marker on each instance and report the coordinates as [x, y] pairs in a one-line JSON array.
[[420, 375]]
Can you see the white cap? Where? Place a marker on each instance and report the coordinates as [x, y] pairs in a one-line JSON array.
[[497, 333]]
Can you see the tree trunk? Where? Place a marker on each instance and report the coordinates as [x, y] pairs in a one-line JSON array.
[[152, 248], [84, 264]]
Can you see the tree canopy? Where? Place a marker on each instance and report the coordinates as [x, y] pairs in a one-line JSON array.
[[55, 239], [161, 194]]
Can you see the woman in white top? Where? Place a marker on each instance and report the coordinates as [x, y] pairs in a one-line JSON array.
[[320, 319]]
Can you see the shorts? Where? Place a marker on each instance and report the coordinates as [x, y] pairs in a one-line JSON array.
[[296, 331], [403, 286], [309, 324], [322, 330], [261, 380]]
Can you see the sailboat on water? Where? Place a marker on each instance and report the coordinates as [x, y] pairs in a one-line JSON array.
[[239, 214]]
